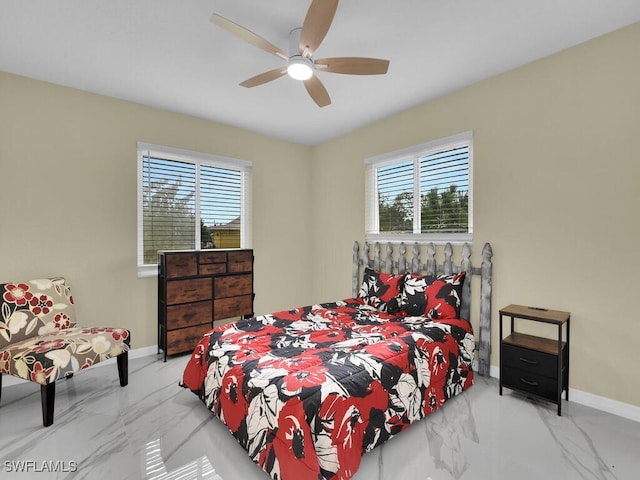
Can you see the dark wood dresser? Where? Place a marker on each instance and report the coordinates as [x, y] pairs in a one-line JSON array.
[[196, 287]]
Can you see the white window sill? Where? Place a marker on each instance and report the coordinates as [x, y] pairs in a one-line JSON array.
[[410, 238], [145, 271]]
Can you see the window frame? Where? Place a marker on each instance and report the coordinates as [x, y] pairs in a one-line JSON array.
[[414, 153], [198, 159]]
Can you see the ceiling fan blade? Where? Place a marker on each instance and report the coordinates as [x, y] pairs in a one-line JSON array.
[[316, 24], [353, 65], [248, 36], [264, 77], [317, 91]]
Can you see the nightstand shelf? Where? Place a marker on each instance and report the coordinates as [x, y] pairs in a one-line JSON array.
[[531, 364]]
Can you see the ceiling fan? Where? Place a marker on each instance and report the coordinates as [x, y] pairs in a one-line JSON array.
[[303, 42]]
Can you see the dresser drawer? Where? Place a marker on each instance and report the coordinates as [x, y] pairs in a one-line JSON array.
[[233, 285], [213, 268], [232, 307], [213, 257], [240, 261], [526, 381], [530, 361], [189, 314], [185, 339], [183, 291], [213, 263], [181, 265]]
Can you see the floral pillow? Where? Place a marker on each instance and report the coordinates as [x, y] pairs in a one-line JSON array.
[[32, 308], [432, 296], [381, 290]]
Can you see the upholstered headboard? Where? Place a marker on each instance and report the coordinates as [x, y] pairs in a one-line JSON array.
[[404, 262]]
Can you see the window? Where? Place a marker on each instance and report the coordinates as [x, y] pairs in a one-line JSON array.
[[422, 192], [189, 200]]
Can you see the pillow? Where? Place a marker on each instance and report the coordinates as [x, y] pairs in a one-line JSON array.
[[381, 290], [432, 296]]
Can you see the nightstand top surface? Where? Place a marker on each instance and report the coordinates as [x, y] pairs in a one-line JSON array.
[[535, 313]]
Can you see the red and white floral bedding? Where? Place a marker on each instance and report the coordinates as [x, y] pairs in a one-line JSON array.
[[307, 391]]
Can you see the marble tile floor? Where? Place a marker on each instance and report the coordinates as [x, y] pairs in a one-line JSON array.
[[153, 429]]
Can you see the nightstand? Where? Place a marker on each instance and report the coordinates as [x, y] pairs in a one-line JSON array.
[[534, 365]]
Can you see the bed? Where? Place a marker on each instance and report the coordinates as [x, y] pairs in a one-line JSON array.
[[307, 391]]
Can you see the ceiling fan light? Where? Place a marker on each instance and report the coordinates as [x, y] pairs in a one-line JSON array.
[[300, 68]]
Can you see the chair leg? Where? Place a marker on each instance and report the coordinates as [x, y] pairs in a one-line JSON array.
[[47, 396], [123, 368]]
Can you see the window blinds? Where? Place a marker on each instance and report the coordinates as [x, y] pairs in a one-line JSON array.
[[188, 200], [169, 206], [444, 189], [421, 190]]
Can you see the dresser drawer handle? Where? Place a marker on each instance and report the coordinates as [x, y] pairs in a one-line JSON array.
[[530, 362], [533, 384], [189, 290]]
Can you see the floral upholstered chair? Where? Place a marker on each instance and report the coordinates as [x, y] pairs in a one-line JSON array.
[[39, 340]]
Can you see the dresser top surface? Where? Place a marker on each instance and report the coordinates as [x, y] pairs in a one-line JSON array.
[[210, 250]]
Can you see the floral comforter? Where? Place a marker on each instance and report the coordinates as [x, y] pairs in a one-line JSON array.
[[307, 391]]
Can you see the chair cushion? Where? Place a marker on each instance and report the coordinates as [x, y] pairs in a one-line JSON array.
[[35, 307], [46, 358]]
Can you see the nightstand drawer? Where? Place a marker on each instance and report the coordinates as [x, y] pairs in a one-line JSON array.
[[530, 361], [525, 381]]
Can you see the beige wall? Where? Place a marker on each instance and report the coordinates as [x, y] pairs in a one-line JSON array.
[[555, 186], [68, 199], [556, 192]]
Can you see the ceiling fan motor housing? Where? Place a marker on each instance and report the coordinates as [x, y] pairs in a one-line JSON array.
[[300, 67]]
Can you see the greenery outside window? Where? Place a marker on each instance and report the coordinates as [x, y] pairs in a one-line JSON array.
[[422, 192], [189, 200]]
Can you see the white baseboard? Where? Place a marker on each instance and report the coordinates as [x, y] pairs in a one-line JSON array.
[[604, 404]]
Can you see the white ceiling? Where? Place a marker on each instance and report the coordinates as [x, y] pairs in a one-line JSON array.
[[167, 54]]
